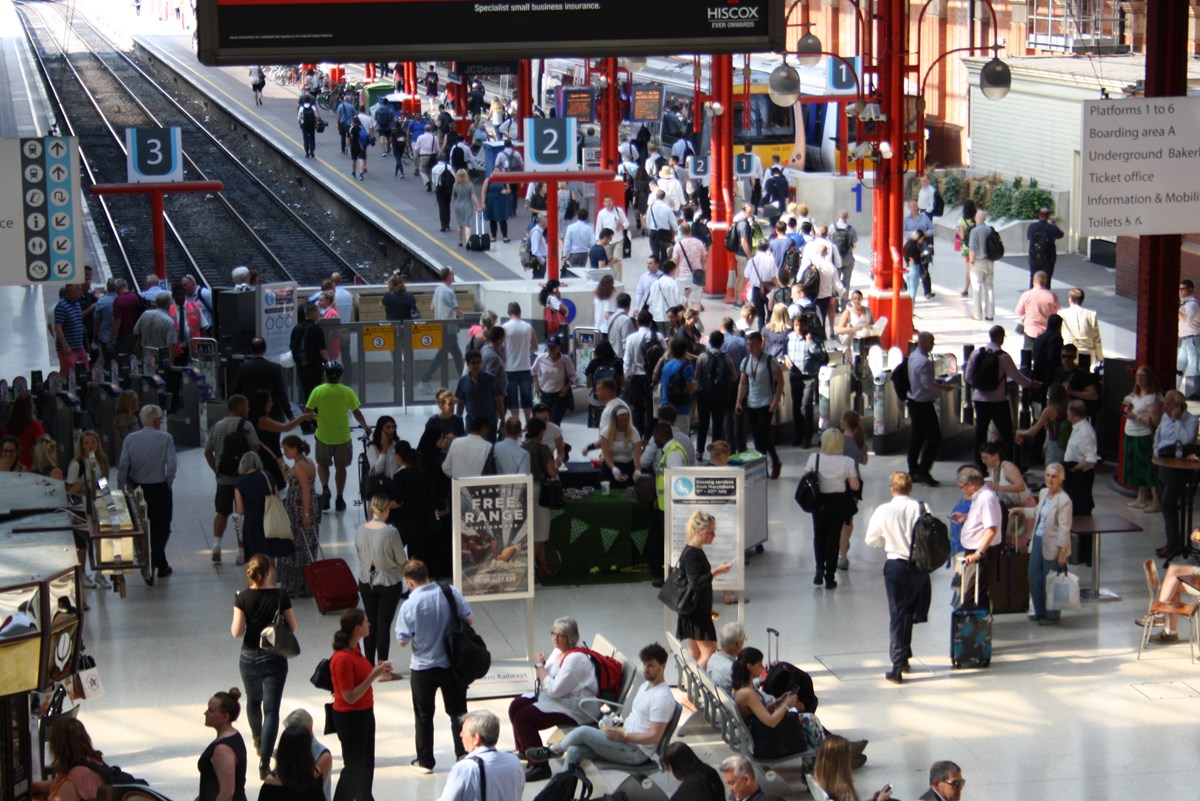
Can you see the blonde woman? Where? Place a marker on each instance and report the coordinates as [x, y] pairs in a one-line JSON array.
[[45, 459], [697, 628], [855, 446], [838, 477], [620, 449], [465, 203]]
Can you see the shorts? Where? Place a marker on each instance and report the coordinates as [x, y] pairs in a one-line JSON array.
[[224, 500], [520, 390], [339, 455]]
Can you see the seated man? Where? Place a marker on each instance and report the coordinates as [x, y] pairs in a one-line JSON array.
[[635, 742], [730, 641], [1171, 592]]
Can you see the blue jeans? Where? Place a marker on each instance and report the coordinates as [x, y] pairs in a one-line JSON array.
[[1188, 363], [557, 404], [1039, 569], [585, 742], [263, 675]]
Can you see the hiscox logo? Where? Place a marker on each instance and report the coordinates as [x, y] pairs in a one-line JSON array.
[[732, 14]]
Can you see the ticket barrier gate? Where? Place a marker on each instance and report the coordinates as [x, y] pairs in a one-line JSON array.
[[66, 421], [189, 421], [102, 407], [834, 389], [890, 427]]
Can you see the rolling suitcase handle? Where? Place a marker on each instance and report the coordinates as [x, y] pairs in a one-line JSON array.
[[479, 223], [772, 635], [962, 565]]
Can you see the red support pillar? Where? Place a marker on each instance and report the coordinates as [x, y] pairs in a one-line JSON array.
[[552, 228], [158, 230], [720, 183], [610, 119], [1159, 257], [524, 91]]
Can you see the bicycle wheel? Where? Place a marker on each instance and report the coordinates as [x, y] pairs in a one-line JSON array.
[[325, 101]]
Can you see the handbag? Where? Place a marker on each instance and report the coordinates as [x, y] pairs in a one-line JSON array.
[[276, 523], [808, 491], [278, 638], [677, 592], [626, 247], [552, 496], [321, 677], [330, 728], [1062, 591]]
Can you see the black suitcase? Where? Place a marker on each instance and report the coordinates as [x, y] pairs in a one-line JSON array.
[[970, 632], [479, 240], [1009, 585]]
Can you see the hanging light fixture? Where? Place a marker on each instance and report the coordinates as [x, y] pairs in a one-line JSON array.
[[783, 85], [808, 50], [995, 79]]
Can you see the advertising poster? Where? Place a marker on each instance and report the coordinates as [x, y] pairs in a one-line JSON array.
[[493, 528], [277, 317], [715, 490]]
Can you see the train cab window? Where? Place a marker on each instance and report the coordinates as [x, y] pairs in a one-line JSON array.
[[768, 122]]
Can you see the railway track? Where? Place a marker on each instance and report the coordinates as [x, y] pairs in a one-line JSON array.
[[100, 91]]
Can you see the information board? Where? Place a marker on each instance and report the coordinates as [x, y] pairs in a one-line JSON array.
[[277, 317], [715, 490], [647, 103], [41, 226], [580, 104], [282, 31], [1141, 166]]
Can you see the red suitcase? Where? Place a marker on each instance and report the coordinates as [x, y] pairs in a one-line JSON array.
[[332, 584]]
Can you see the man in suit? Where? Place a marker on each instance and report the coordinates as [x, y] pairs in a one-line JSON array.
[[259, 372], [738, 773], [945, 782]]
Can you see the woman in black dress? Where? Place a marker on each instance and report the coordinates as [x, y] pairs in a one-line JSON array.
[[697, 628], [440, 431], [698, 781], [413, 502], [222, 766], [269, 430]]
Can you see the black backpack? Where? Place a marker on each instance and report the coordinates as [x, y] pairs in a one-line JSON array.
[[701, 232], [446, 181], [717, 379], [993, 247], [385, 117], [808, 491], [1039, 249], [791, 263], [466, 650], [677, 390], [562, 787], [930, 546], [985, 375], [112, 775], [840, 237], [939, 203], [900, 380], [652, 351], [233, 448], [732, 238], [811, 281], [310, 115]]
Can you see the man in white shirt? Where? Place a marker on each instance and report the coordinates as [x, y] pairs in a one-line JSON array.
[[522, 341], [1080, 459], [762, 276], [664, 295], [612, 217], [467, 455], [485, 774], [425, 150], [641, 295], [671, 188], [1188, 360], [578, 239], [635, 742], [554, 375], [925, 197], [621, 325], [445, 307], [980, 535], [637, 372], [661, 224], [891, 528]]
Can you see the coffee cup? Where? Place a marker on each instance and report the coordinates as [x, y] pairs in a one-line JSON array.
[[605, 486]]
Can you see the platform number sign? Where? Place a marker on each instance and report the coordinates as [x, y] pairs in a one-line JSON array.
[[154, 155], [743, 166], [843, 78], [551, 144], [697, 167], [39, 212]]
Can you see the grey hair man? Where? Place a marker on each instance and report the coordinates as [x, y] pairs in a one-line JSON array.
[[148, 461], [730, 641], [739, 777], [500, 772], [945, 782]]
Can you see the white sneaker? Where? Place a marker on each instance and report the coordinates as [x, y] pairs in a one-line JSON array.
[[241, 558], [102, 580], [89, 582], [216, 553]]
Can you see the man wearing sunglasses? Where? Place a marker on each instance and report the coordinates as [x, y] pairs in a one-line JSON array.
[[945, 782]]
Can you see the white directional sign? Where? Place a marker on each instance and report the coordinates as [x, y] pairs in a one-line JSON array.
[[550, 144], [1141, 166], [41, 228], [153, 155]]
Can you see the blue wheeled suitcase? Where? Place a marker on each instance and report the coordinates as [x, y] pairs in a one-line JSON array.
[[970, 631]]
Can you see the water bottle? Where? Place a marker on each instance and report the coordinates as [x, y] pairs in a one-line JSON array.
[[1178, 449]]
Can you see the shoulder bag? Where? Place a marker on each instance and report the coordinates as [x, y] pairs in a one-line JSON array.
[[552, 496], [278, 637], [466, 650], [808, 491], [276, 523], [677, 592]]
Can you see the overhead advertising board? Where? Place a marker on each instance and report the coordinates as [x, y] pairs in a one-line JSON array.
[[647, 103], [292, 31], [1141, 166], [484, 69]]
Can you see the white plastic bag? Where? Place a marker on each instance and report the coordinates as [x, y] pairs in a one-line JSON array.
[[1062, 591]]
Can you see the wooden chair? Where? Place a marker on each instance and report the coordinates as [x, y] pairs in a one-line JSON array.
[[1158, 607]]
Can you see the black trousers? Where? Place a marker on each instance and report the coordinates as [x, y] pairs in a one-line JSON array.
[[380, 604], [801, 417], [641, 407], [443, 204], [904, 585], [710, 409], [160, 506], [425, 685], [1078, 486], [735, 427], [983, 576], [356, 733], [926, 437], [1174, 505], [760, 423], [1000, 413]]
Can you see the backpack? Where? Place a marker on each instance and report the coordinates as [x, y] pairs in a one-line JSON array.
[[652, 351], [939, 203], [514, 163], [701, 232], [233, 448], [466, 650], [811, 281], [603, 371], [384, 117], [1039, 249], [841, 240], [309, 115], [986, 372], [731, 238], [808, 491], [930, 546], [791, 263], [446, 181], [716, 380], [112, 775], [608, 672], [364, 138], [561, 787], [677, 390], [900, 380], [525, 253], [993, 247]]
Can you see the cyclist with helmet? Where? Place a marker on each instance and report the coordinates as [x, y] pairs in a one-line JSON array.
[[333, 402]]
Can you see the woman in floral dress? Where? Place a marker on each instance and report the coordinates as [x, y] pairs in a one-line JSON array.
[[304, 510]]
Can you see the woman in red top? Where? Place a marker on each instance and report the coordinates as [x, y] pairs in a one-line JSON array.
[[22, 425], [354, 706]]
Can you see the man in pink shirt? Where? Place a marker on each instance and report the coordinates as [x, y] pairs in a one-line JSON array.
[[1035, 306]]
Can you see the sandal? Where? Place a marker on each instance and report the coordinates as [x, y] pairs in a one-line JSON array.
[[730, 597]]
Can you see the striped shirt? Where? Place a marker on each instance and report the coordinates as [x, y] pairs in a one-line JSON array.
[[156, 329], [70, 317]]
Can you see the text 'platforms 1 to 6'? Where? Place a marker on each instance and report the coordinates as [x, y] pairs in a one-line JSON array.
[[41, 219]]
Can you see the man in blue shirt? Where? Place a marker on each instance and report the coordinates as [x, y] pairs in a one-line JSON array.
[[677, 364], [578, 239], [1177, 428], [478, 393], [598, 253], [926, 437], [345, 114], [503, 777], [423, 621]]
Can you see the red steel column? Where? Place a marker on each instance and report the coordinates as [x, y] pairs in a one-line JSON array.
[[158, 228], [1159, 256], [720, 183], [610, 117], [524, 92]]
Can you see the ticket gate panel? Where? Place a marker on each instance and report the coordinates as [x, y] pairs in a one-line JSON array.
[[103, 406], [186, 423], [67, 418]]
